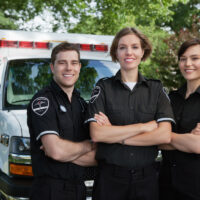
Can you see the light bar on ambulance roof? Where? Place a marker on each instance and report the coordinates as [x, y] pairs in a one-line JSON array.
[[24, 44], [47, 45], [93, 47]]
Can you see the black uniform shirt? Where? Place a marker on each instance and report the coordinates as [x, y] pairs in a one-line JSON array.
[[146, 102], [187, 115], [50, 112]]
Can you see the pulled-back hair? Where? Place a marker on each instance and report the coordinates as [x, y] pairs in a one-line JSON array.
[[145, 44]]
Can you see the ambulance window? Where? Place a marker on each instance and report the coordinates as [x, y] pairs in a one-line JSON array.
[[25, 77], [91, 72]]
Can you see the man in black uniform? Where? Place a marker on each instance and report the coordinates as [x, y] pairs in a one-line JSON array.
[[60, 145]]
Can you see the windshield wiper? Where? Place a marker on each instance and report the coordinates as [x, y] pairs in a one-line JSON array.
[[20, 101]]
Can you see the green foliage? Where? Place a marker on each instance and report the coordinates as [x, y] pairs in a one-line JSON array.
[[107, 17], [182, 17], [112, 15], [86, 79], [170, 74], [6, 23]]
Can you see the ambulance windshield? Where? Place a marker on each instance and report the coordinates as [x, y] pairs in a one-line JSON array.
[[25, 77]]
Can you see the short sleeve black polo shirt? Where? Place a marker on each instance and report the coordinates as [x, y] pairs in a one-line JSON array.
[[146, 102], [50, 112], [187, 115]]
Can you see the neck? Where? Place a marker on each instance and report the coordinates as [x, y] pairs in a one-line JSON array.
[[192, 86], [68, 92], [130, 75]]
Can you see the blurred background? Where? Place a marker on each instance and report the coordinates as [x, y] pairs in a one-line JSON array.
[[167, 23]]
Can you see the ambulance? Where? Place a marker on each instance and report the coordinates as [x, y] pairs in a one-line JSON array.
[[24, 69]]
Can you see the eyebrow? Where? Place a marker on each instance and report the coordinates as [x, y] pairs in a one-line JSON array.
[[63, 60], [190, 55], [126, 44]]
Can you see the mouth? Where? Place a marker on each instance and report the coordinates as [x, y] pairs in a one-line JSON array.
[[68, 75], [189, 70], [129, 59]]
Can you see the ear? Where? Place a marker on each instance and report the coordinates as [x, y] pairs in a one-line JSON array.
[[142, 59], [52, 68]]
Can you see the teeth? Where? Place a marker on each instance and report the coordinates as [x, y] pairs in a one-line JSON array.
[[129, 59], [68, 75], [189, 70]]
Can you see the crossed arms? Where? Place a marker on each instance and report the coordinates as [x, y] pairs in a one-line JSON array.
[[141, 134], [80, 153], [188, 142]]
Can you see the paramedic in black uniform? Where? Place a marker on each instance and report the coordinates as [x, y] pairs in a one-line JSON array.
[[139, 118], [59, 141], [180, 169]]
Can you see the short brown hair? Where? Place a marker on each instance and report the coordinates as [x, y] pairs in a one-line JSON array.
[[185, 45], [145, 44], [64, 46]]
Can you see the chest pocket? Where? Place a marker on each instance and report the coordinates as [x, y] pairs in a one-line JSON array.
[[146, 113]]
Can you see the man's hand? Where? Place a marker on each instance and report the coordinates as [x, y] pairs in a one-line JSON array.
[[196, 130], [89, 145], [151, 126], [102, 119]]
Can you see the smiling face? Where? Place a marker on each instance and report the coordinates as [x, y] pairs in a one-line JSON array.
[[129, 52], [189, 63], [66, 69]]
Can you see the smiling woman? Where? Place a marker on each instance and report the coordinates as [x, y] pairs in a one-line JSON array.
[[179, 177], [127, 137]]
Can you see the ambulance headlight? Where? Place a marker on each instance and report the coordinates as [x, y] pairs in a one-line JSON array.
[[20, 145]]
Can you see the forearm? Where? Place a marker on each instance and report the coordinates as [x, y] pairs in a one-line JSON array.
[[114, 134], [158, 136], [64, 150], [70, 151], [187, 142], [166, 147], [87, 159]]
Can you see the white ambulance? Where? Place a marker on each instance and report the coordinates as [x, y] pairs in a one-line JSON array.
[[24, 69]]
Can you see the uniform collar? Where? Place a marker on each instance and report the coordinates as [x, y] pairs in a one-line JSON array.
[[183, 89], [141, 79], [59, 90]]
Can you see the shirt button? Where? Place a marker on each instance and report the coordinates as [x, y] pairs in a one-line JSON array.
[[173, 165], [132, 171]]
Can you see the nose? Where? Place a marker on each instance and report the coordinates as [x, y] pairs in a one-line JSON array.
[[68, 66], [188, 62], [128, 51]]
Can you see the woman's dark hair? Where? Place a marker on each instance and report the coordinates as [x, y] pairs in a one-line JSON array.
[[185, 45], [145, 44]]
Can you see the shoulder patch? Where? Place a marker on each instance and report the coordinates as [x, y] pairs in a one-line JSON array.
[[40, 105], [95, 93]]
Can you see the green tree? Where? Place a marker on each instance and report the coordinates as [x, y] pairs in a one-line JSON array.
[[182, 17], [112, 15], [169, 71]]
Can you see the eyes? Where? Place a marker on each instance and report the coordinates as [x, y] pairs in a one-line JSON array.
[[63, 62], [132, 47], [184, 59]]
